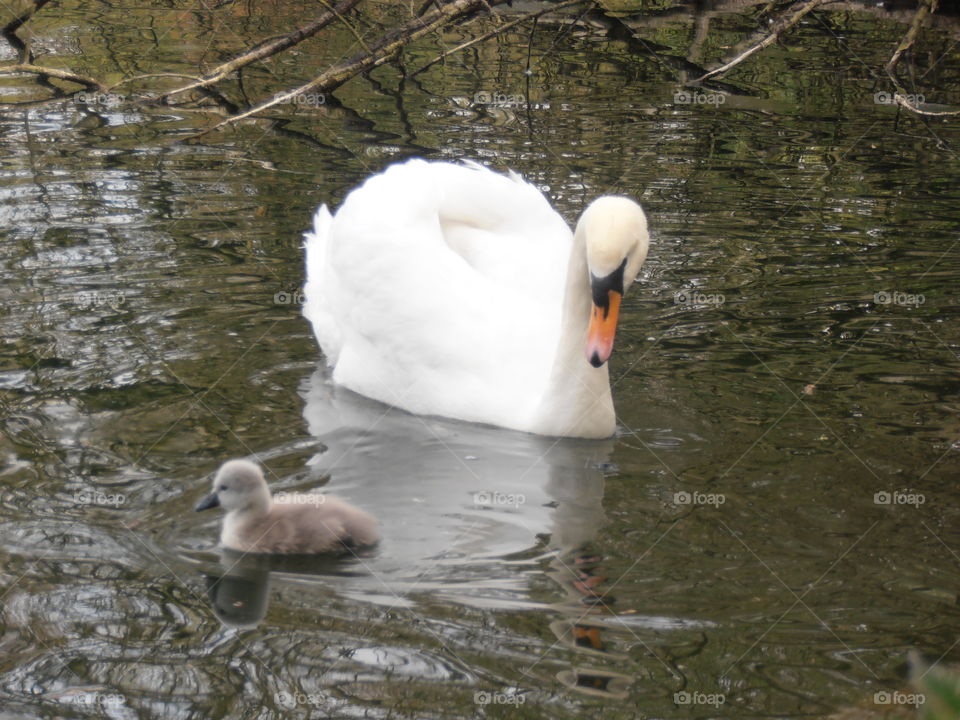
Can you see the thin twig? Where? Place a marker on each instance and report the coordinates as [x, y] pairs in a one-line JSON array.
[[149, 76], [779, 29], [391, 43], [901, 97], [350, 27], [533, 30], [496, 31], [270, 48], [52, 73], [927, 8], [903, 102]]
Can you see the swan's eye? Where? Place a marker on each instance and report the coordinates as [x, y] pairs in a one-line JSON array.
[[222, 488]]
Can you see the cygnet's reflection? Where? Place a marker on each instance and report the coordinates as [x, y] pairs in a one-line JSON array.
[[240, 595]]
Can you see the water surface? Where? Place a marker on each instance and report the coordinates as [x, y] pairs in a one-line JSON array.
[[785, 380]]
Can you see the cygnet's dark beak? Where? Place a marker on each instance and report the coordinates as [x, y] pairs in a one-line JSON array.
[[210, 501]]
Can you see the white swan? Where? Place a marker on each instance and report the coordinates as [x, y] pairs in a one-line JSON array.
[[452, 290]]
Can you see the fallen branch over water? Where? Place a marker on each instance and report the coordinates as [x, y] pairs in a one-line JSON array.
[[267, 49], [430, 17], [47, 72], [496, 31], [379, 53], [786, 21], [790, 17], [901, 97]]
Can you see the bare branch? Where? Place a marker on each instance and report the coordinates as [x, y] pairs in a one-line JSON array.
[[779, 28], [52, 73], [350, 27], [389, 45], [149, 76], [905, 103], [269, 48], [496, 31], [901, 97], [926, 8]]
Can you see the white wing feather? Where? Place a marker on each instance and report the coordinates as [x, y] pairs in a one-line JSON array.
[[438, 288]]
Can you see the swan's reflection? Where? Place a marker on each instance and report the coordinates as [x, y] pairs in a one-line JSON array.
[[450, 495]]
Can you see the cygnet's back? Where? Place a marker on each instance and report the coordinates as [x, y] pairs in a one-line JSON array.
[[290, 523]]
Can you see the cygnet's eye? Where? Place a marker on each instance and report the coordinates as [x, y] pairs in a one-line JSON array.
[[222, 488]]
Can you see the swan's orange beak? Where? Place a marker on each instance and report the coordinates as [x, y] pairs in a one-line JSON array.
[[603, 327]]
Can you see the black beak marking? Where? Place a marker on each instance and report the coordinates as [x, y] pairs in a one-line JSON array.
[[210, 501], [602, 287]]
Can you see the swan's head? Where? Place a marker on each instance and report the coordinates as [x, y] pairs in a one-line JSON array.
[[238, 485], [615, 233]]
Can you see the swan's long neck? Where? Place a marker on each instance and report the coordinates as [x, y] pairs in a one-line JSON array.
[[577, 401]]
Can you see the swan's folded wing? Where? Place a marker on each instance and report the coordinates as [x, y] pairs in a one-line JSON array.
[[445, 284]]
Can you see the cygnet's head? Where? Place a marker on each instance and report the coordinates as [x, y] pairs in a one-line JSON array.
[[614, 230], [238, 485]]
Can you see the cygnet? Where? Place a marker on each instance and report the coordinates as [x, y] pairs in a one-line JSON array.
[[288, 523]]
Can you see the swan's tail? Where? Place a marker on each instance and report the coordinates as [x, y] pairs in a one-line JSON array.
[[316, 293]]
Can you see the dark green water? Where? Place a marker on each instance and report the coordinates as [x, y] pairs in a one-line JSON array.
[[791, 350]]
